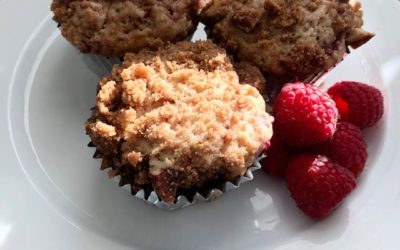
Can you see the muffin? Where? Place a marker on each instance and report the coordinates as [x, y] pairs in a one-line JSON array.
[[288, 39], [113, 28], [177, 120]]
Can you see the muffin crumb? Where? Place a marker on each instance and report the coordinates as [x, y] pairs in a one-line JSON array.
[[296, 39], [113, 28]]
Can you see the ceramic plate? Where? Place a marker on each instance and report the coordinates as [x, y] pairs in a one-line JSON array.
[[53, 195]]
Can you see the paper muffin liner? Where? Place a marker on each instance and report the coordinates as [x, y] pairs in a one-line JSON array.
[[276, 83], [183, 201], [318, 79], [101, 65]]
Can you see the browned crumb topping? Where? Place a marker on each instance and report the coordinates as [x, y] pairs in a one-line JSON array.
[[112, 28], [286, 37], [179, 118], [250, 74]]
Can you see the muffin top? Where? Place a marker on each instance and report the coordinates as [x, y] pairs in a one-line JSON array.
[[180, 110], [113, 28], [250, 74], [296, 38]]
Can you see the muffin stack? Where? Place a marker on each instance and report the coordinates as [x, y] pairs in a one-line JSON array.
[[179, 118]]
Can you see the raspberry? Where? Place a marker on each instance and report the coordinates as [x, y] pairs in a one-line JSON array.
[[358, 103], [347, 148], [278, 155], [304, 115], [317, 184]]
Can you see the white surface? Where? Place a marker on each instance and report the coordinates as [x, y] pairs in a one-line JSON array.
[[53, 195]]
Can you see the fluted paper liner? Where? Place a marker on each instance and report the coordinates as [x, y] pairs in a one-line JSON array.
[[183, 201], [101, 65]]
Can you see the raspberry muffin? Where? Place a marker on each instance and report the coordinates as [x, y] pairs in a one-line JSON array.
[[178, 119], [286, 38], [113, 28]]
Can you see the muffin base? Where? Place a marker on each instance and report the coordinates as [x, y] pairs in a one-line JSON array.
[[184, 198]]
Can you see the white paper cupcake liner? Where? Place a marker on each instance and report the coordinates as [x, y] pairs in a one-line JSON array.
[[100, 65], [182, 201]]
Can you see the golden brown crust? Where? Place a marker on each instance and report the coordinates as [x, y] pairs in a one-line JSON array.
[[298, 38], [113, 28], [180, 112], [250, 74]]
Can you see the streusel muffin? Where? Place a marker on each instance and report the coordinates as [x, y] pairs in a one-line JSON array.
[[113, 28], [291, 38], [178, 119]]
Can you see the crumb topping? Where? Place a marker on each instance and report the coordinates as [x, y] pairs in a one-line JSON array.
[[112, 28], [181, 110], [286, 37]]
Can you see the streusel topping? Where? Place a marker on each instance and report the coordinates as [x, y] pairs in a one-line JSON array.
[[182, 110]]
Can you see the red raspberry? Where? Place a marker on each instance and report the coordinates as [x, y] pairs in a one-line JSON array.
[[304, 115], [278, 155], [347, 148], [317, 184], [358, 103]]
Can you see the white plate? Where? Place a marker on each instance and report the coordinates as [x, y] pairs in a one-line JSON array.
[[53, 196]]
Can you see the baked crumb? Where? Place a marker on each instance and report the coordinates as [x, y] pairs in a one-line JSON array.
[[250, 74], [180, 117], [113, 28], [284, 37]]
